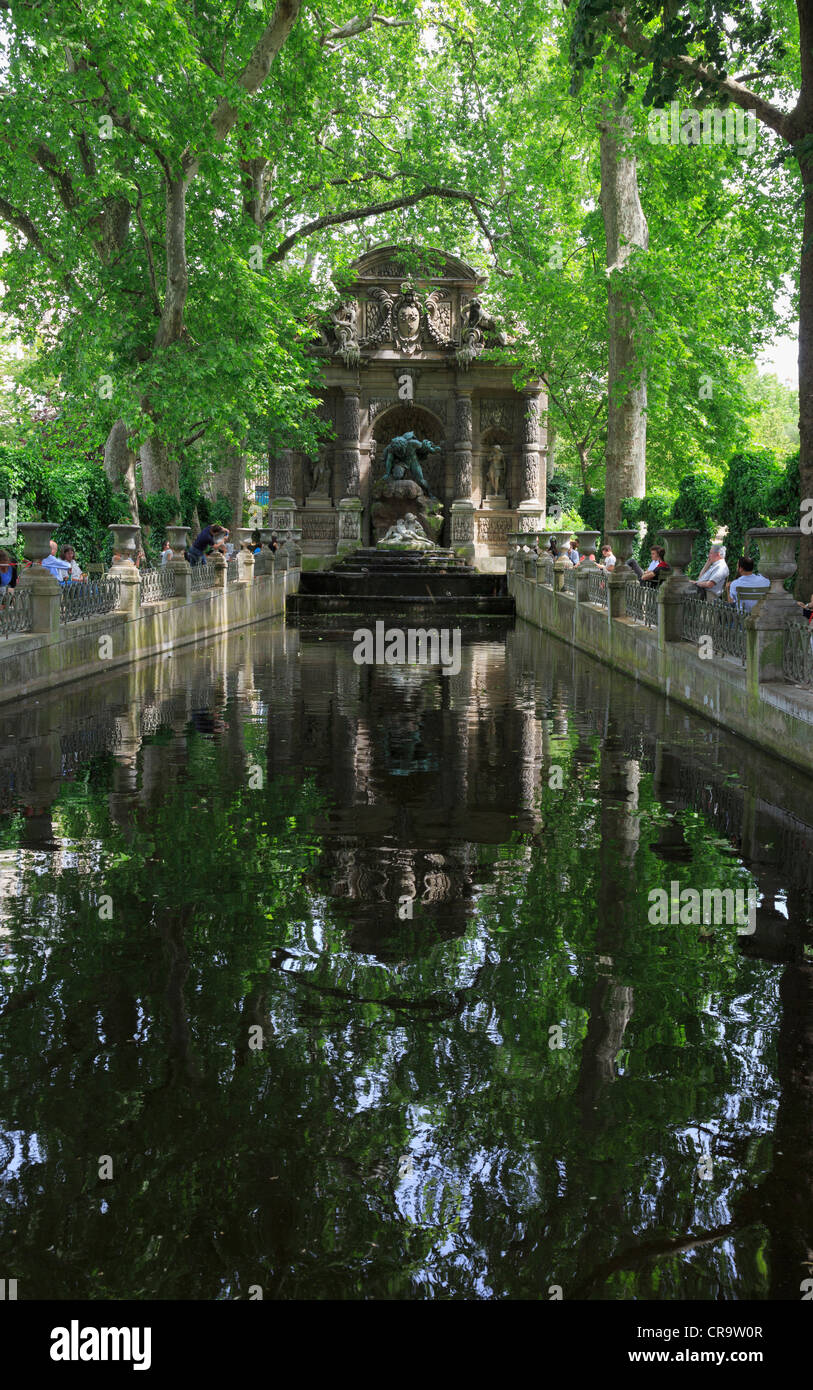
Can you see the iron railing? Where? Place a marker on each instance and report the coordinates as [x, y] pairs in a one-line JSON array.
[[234, 570], [570, 580], [721, 622], [203, 576], [157, 584], [15, 611], [641, 602], [88, 597], [798, 657], [597, 587]]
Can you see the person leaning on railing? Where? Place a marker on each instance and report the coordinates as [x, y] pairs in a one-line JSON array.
[[211, 537]]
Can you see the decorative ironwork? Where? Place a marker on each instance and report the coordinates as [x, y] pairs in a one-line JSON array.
[[91, 596], [570, 580], [798, 656], [157, 584], [641, 603], [203, 576], [234, 570], [597, 587], [15, 611], [721, 622]]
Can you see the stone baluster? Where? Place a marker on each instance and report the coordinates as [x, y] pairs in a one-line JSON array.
[[678, 545], [586, 542], [124, 569], [178, 537], [623, 544], [766, 623], [42, 587], [245, 555]]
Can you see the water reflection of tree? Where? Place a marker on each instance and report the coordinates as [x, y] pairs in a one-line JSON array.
[[532, 1166]]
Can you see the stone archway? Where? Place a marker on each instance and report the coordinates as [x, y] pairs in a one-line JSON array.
[[398, 419]]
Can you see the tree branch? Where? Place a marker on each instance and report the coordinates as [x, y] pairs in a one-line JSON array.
[[335, 219]]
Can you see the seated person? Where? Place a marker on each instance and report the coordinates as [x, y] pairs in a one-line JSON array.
[[166, 553], [571, 551], [273, 544], [711, 580], [657, 569], [8, 570], [747, 579], [60, 569], [69, 556], [607, 560]]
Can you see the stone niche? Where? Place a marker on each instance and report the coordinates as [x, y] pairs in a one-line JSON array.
[[411, 347]]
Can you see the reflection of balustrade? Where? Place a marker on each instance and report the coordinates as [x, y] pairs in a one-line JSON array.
[[88, 597], [798, 656], [721, 622], [88, 741], [157, 584], [15, 611]]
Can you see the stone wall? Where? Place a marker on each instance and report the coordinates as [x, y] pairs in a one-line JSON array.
[[775, 715], [39, 660]]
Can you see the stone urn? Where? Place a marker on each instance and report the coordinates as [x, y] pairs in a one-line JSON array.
[[623, 544], [678, 545], [36, 539], [587, 541], [777, 561], [243, 536], [178, 537], [125, 541]]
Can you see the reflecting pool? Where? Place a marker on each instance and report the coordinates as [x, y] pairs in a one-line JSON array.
[[324, 980]]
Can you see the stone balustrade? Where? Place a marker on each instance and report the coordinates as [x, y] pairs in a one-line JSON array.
[[752, 672]]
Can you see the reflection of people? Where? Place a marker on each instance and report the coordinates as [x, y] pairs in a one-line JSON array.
[[496, 471]]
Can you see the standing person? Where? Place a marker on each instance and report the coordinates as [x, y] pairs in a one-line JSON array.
[[711, 580], [209, 536], [746, 579]]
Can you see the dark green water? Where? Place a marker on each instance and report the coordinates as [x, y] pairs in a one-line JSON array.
[[207, 978]]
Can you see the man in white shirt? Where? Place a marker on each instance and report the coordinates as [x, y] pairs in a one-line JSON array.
[[739, 588], [711, 580]]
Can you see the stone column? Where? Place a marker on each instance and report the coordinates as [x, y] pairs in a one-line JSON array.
[[351, 506], [462, 510], [531, 511], [623, 543], [124, 543], [221, 565], [41, 587], [282, 502], [766, 623], [676, 586]]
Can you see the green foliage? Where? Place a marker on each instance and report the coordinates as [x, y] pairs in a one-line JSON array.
[[591, 507], [697, 507], [564, 492], [751, 481], [654, 510]]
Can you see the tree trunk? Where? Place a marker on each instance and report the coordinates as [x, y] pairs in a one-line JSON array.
[[804, 579], [159, 473], [625, 228], [230, 480], [119, 465]]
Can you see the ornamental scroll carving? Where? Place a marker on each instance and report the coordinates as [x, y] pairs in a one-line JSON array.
[[532, 421], [463, 420], [496, 413]]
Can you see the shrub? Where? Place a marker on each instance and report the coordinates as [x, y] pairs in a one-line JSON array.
[[749, 486], [654, 510], [591, 506], [698, 506]]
